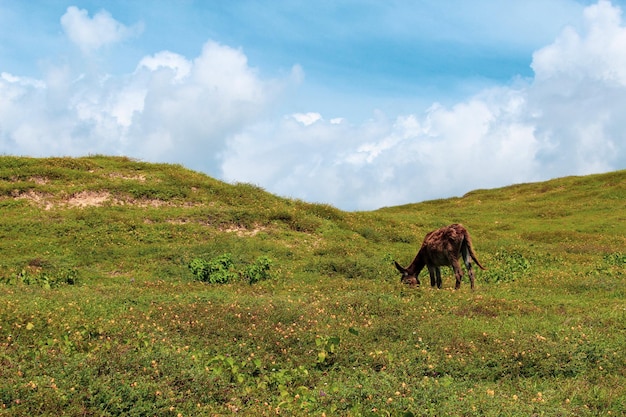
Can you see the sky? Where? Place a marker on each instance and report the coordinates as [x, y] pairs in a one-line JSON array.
[[359, 104]]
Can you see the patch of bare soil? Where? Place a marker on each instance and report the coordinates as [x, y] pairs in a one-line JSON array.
[[89, 199], [242, 231], [178, 221], [39, 180], [97, 198], [148, 203], [139, 177], [238, 230], [41, 199]]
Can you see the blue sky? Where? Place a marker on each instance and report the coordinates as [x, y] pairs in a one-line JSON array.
[[359, 104]]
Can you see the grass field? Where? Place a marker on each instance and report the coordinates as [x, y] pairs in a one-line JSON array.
[[113, 300]]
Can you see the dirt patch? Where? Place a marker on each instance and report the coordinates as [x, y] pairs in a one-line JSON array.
[[95, 198], [178, 221], [39, 180], [242, 231], [149, 203], [41, 199], [89, 199], [117, 175], [238, 230]]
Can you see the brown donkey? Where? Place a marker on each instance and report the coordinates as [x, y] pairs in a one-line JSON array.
[[442, 247]]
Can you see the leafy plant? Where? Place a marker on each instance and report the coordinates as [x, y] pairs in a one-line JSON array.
[[45, 279], [613, 264], [327, 348], [226, 365], [259, 270], [218, 270], [616, 259]]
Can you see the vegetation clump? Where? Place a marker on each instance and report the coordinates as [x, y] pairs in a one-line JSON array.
[[220, 270]]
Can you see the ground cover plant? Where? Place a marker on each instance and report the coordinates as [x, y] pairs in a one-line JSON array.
[[108, 308]]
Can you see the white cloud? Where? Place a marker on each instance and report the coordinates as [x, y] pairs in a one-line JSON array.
[[24, 81], [169, 109], [579, 93], [567, 120], [307, 119], [387, 162], [168, 60], [597, 54], [90, 34]]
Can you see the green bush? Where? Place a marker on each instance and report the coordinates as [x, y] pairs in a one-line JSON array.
[[218, 270], [221, 270], [258, 271]]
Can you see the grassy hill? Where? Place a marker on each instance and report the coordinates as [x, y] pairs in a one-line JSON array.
[[101, 314]]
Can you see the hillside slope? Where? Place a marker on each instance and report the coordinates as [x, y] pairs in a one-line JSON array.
[[116, 216], [100, 313]]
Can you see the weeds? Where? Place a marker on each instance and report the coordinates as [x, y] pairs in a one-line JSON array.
[[221, 270], [259, 270], [327, 349], [47, 280], [615, 259], [218, 270]]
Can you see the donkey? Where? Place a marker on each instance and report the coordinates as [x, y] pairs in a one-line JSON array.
[[442, 247]]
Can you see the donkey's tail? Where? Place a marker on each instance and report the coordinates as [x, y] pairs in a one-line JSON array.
[[470, 249]]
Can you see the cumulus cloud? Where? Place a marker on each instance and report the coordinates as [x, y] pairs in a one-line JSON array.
[[90, 34], [307, 119], [387, 162], [176, 63], [578, 95], [567, 120], [169, 109], [597, 54]]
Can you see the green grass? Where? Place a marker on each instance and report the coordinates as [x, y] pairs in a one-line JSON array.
[[101, 314]]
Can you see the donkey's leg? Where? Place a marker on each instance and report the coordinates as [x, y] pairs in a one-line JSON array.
[[458, 273], [432, 271], [467, 259], [438, 273]]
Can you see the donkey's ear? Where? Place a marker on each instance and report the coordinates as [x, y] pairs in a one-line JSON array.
[[400, 268]]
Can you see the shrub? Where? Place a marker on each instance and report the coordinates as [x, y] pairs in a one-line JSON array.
[[258, 271], [218, 270]]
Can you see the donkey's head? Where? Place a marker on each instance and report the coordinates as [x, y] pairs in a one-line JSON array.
[[407, 277]]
